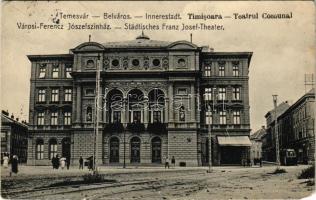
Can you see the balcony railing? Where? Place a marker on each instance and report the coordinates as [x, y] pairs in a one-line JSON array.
[[136, 127], [157, 128], [114, 127]]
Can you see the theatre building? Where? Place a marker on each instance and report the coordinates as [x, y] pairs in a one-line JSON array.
[[157, 99]]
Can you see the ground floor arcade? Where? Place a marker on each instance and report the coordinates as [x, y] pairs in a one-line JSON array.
[[187, 147]]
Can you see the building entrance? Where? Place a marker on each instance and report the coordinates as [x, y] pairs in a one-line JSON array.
[[135, 150], [231, 155], [114, 150], [156, 150], [65, 148]]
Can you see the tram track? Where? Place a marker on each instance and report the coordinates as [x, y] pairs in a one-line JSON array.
[[76, 188]]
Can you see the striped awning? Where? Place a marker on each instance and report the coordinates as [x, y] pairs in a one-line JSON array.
[[237, 141]]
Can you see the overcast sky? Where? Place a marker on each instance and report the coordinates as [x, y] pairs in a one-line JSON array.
[[283, 50]]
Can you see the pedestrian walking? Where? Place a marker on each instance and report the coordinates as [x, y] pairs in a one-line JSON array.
[[53, 162], [167, 162], [5, 160], [68, 162], [14, 164], [173, 161], [62, 162], [57, 162], [260, 161], [90, 166], [80, 162]]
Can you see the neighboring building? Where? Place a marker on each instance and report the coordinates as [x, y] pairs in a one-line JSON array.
[[14, 136], [296, 127], [155, 95], [256, 143], [268, 140]]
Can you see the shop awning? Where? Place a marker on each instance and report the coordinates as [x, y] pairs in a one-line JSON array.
[[237, 141]]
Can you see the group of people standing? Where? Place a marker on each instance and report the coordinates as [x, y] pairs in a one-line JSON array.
[[60, 162], [14, 161], [167, 162]]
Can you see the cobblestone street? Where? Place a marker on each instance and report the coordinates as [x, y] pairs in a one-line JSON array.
[[158, 183]]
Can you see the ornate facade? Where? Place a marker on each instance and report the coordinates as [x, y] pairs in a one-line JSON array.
[[157, 99]]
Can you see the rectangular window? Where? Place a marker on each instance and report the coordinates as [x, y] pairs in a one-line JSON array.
[[55, 72], [236, 93], [208, 117], [40, 151], [221, 70], [208, 94], [89, 92], [40, 118], [136, 116], [222, 93], [116, 116], [54, 118], [156, 116], [68, 95], [235, 70], [41, 95], [67, 118], [42, 72], [208, 70], [68, 71], [55, 95], [222, 117], [236, 117], [182, 91]]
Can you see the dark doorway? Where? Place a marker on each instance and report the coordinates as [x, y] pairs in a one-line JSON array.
[[156, 150], [135, 150], [231, 155], [114, 150], [205, 153], [65, 148]]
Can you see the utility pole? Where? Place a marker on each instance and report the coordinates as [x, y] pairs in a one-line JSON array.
[[97, 103], [277, 150]]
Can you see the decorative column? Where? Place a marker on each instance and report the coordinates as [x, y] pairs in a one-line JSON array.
[[78, 106], [105, 119], [170, 96], [146, 109], [192, 103], [166, 113], [125, 111]]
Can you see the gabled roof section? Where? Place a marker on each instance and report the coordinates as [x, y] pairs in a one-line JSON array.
[[182, 45], [280, 109], [258, 134], [89, 46]]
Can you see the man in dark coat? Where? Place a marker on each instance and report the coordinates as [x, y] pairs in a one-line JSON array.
[[14, 164], [80, 162]]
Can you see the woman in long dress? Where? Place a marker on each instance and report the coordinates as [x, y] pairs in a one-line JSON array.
[[14, 164], [5, 161], [62, 162]]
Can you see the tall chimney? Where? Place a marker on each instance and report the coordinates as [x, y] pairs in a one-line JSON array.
[[191, 37]]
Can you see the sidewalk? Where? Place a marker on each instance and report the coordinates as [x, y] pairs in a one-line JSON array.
[[25, 170]]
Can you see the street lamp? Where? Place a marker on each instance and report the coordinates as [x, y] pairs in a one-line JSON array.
[[277, 150]]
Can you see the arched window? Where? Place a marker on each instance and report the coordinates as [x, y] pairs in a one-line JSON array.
[[135, 100], [52, 148], [181, 114], [156, 105], [39, 149], [89, 114]]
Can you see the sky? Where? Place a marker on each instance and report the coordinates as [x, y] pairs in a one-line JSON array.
[[283, 49]]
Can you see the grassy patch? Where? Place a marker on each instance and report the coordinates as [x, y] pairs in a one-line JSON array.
[[307, 173], [279, 171]]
